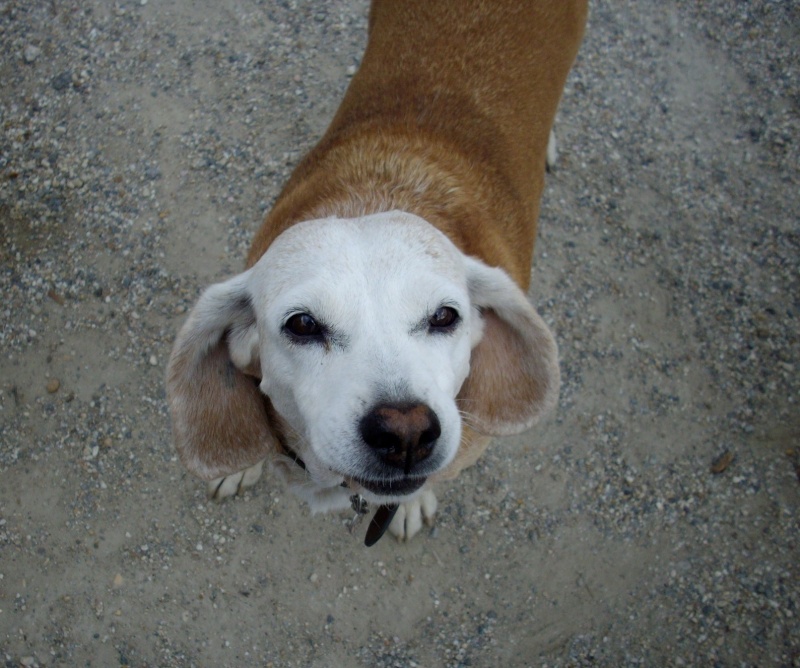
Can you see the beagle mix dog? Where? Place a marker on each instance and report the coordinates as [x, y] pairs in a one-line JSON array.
[[381, 334]]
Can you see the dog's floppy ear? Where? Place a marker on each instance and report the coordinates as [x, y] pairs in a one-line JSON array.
[[219, 418], [514, 376]]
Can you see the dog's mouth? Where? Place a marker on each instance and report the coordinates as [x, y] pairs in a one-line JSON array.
[[399, 487]]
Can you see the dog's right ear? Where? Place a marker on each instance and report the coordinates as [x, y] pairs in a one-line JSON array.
[[219, 417]]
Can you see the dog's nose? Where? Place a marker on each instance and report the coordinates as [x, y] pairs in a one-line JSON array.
[[403, 434]]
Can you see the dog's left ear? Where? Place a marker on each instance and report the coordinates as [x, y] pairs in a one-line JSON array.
[[514, 376], [219, 418]]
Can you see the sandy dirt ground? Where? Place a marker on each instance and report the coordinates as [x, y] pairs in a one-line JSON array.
[[651, 521]]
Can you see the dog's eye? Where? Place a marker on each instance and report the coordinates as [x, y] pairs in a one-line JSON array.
[[445, 318], [303, 326]]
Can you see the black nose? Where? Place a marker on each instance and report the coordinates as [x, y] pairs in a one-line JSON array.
[[403, 434]]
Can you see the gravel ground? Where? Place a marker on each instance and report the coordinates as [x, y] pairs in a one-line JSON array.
[[653, 520]]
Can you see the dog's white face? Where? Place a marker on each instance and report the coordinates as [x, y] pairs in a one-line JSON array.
[[373, 338], [363, 351]]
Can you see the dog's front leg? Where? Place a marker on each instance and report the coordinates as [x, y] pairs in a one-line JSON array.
[[233, 484], [410, 516]]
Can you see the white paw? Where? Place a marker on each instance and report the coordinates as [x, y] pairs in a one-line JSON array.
[[410, 516], [233, 484], [552, 152]]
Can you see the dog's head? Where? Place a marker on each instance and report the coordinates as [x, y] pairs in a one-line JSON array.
[[373, 339]]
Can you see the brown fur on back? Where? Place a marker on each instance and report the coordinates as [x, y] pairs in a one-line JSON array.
[[447, 118]]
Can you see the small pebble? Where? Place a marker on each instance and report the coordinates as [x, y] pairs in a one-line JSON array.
[[31, 53], [52, 385], [722, 462]]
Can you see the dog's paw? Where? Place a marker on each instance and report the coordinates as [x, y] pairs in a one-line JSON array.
[[410, 516], [551, 157], [233, 484]]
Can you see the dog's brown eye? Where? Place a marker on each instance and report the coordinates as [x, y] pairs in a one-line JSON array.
[[445, 318], [303, 325]]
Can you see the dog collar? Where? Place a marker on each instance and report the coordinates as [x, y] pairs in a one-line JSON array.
[[380, 520], [291, 454]]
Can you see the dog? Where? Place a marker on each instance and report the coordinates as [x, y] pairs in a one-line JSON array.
[[380, 333]]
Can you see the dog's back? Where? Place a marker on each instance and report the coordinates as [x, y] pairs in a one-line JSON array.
[[455, 99]]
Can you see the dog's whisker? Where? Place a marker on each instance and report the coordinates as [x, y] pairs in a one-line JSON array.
[[469, 419]]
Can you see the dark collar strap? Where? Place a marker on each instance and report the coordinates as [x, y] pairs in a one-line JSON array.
[[379, 523]]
